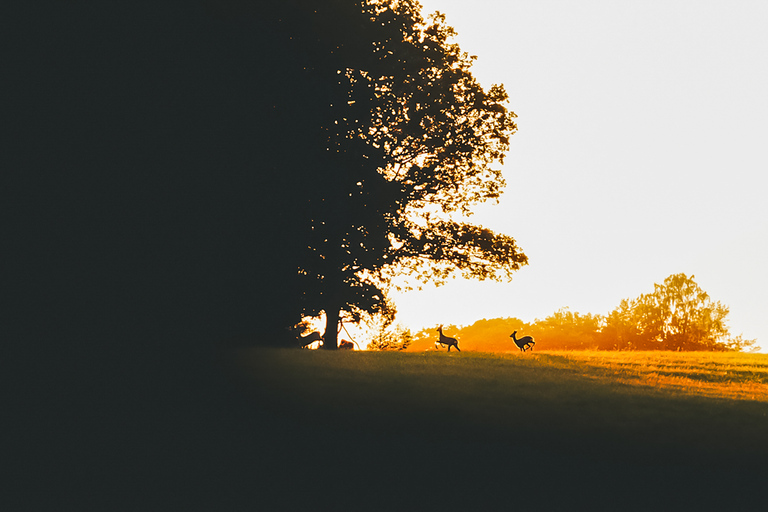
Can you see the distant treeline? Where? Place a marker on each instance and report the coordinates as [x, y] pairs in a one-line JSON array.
[[677, 315]]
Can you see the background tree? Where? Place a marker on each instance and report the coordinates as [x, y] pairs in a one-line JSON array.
[[483, 335], [677, 315], [686, 317], [403, 139], [621, 331], [565, 329]]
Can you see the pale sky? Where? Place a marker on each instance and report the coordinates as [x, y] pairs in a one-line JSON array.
[[642, 152]]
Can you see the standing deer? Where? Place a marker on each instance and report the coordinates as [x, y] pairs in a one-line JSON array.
[[305, 341], [447, 340], [524, 342]]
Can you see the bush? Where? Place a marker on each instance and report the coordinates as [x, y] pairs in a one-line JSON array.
[[398, 338]]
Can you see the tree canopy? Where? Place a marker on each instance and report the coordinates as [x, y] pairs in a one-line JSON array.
[[406, 139], [677, 315], [212, 170]]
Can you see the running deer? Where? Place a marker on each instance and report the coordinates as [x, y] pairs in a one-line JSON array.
[[447, 340], [523, 343]]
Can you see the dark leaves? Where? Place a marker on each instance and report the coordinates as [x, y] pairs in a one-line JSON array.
[[395, 126]]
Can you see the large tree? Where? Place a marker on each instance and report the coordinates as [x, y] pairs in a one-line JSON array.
[[151, 178], [404, 142]]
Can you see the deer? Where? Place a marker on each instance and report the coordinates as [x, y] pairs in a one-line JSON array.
[[304, 341], [447, 340], [523, 343]]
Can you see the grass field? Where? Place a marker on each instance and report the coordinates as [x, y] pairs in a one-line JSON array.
[[560, 430], [714, 374], [284, 430]]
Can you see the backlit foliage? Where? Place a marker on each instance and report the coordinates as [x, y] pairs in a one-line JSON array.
[[402, 138], [678, 315], [397, 338]]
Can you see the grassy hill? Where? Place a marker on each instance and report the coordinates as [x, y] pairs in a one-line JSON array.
[[311, 430], [559, 430]]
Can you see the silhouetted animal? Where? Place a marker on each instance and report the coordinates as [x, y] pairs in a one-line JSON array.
[[447, 340], [309, 338], [524, 342], [346, 345]]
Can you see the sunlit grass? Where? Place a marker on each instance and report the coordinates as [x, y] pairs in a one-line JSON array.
[[570, 420], [573, 394], [729, 375], [715, 374]]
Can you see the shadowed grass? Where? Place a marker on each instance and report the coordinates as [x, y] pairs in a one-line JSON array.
[[313, 430], [664, 402], [562, 431]]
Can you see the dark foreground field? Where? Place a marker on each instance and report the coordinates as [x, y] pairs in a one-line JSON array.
[[301, 430]]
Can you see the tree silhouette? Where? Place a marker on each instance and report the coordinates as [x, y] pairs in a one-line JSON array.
[[406, 139], [567, 329], [677, 315], [214, 170], [154, 190]]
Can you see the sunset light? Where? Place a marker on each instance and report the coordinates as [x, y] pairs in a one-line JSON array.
[[640, 153], [385, 255]]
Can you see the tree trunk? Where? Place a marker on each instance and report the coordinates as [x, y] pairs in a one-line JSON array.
[[331, 336]]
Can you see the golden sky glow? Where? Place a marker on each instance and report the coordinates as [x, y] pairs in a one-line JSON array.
[[641, 153]]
